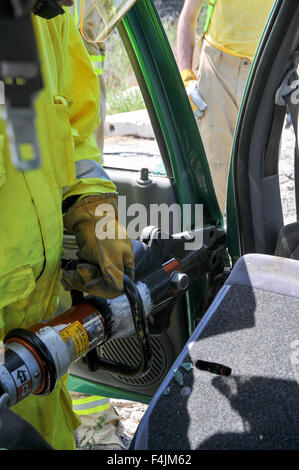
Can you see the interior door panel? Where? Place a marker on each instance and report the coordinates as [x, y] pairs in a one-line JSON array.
[[166, 346]]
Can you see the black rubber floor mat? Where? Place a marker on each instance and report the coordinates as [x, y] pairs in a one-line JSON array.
[[255, 334]]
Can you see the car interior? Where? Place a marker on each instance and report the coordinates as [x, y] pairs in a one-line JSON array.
[[246, 305]]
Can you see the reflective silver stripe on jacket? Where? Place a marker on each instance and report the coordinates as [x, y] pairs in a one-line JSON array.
[[98, 63], [90, 169], [98, 67], [90, 405]]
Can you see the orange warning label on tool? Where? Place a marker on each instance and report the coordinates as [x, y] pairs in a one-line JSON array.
[[76, 339]]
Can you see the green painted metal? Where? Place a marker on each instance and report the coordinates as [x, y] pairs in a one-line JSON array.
[[77, 384], [232, 220], [151, 56], [189, 166], [190, 169]]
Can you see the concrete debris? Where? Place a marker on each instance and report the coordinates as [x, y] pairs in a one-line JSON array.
[[130, 414], [134, 123]]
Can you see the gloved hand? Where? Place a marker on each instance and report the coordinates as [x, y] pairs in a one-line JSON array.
[[197, 102], [104, 247]]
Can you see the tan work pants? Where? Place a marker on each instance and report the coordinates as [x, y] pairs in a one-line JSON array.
[[221, 82]]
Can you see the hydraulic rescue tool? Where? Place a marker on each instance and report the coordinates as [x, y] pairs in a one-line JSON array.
[[32, 360]]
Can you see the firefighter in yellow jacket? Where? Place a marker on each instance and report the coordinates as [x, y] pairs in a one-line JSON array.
[[72, 182], [232, 31], [97, 52]]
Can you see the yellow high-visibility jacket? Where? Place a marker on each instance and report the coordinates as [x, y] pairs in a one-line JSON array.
[[31, 225], [236, 25]]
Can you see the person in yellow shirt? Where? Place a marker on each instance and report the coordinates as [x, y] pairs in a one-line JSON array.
[[65, 192], [227, 47]]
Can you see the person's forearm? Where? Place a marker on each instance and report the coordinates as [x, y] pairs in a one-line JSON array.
[[187, 32]]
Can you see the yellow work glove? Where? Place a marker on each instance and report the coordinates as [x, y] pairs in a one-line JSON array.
[[104, 247], [197, 102]]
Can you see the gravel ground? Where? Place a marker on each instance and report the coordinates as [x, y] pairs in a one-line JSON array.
[[286, 175], [131, 412]]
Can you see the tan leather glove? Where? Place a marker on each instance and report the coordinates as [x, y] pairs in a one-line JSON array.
[[104, 247], [198, 104]]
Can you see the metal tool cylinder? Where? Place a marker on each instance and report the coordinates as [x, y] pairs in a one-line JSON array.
[[32, 360]]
